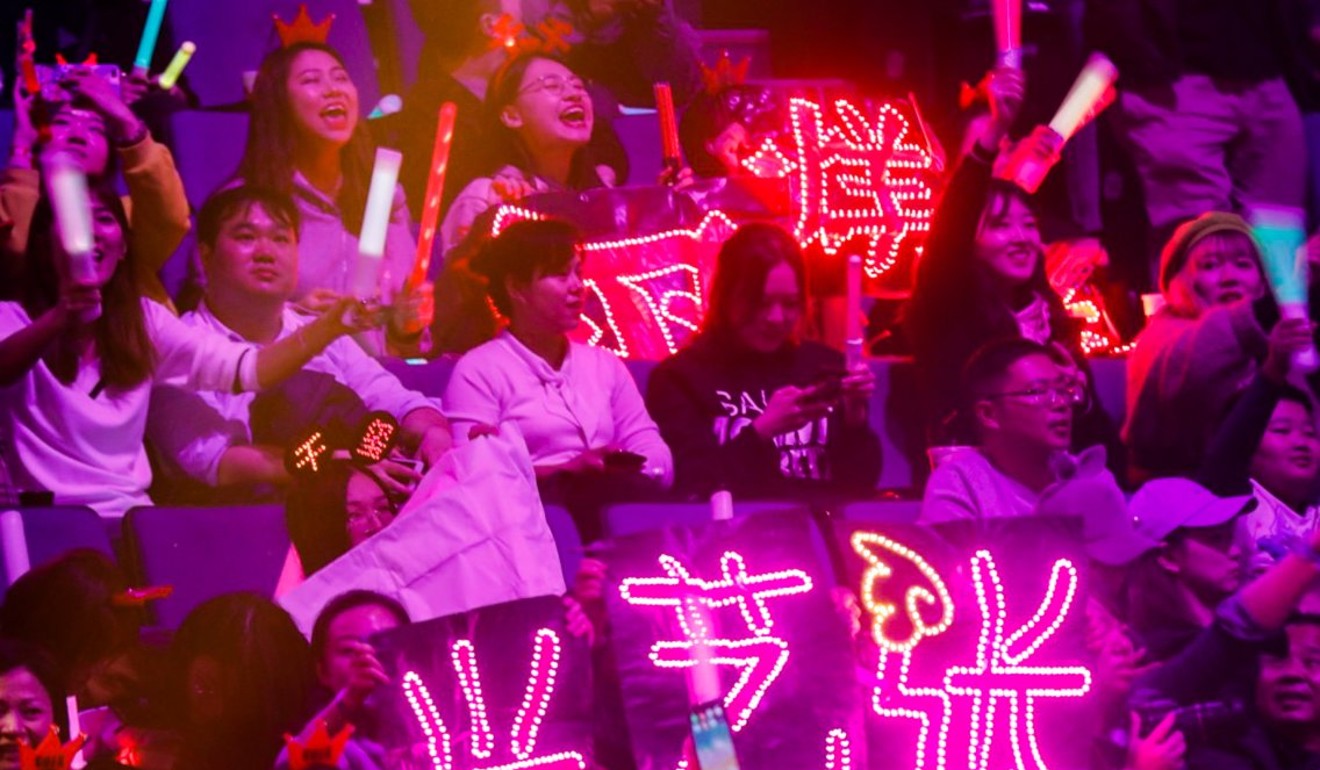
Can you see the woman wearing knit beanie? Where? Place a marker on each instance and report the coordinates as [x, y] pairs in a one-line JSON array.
[[1201, 348]]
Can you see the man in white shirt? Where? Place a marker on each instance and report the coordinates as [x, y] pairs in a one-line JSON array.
[[1019, 403], [248, 241]]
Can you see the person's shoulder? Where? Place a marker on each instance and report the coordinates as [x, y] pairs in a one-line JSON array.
[[960, 461], [13, 316], [483, 355]]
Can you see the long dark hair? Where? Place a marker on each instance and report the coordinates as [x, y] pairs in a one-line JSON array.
[[509, 148], [266, 680], [124, 349], [268, 160], [741, 268], [316, 514], [955, 292]]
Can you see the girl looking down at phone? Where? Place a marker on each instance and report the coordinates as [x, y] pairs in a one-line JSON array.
[[749, 407]]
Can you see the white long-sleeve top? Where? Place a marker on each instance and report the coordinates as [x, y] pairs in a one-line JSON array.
[[89, 450], [591, 401], [192, 429]]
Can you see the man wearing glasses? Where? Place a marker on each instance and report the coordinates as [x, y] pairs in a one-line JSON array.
[[1018, 408]]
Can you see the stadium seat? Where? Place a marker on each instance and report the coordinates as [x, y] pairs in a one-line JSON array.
[[50, 532], [567, 540], [631, 518], [426, 377], [881, 511], [207, 148], [205, 552]]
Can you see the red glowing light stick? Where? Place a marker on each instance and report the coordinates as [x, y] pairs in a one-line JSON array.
[[1007, 16], [435, 186], [27, 47], [664, 105]]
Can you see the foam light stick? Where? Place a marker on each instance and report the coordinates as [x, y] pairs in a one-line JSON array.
[[150, 32], [1094, 81], [664, 105], [853, 340], [376, 222], [1007, 15], [435, 187], [1281, 233], [181, 58], [73, 218], [1033, 158], [13, 541], [721, 505]]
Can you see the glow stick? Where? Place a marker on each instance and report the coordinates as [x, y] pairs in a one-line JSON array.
[[67, 186], [376, 222], [181, 58], [27, 49], [721, 505], [704, 679], [664, 105], [435, 186], [1281, 233], [1095, 79], [388, 105], [1008, 32], [75, 730], [853, 340], [150, 31], [13, 541]]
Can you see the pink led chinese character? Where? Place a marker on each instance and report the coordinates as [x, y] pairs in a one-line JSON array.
[[759, 656], [526, 723], [998, 677]]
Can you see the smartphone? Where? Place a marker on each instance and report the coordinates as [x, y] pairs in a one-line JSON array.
[[623, 461], [827, 386], [711, 737]]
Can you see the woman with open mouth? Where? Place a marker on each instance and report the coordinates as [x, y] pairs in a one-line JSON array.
[[306, 139], [541, 117]]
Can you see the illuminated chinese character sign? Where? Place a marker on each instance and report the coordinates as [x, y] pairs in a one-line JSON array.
[[963, 656], [842, 178], [501, 688]]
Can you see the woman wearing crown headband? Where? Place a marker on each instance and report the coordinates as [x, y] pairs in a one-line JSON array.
[[306, 140], [80, 353]]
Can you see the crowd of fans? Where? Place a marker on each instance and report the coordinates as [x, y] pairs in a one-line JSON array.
[[1200, 513]]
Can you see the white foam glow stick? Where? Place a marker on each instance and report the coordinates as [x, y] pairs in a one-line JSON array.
[[703, 678], [1096, 78], [853, 340], [67, 185], [181, 58], [721, 505], [1007, 16], [75, 730], [13, 543], [376, 222]]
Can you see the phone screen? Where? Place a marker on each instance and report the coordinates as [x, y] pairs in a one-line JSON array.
[[712, 738]]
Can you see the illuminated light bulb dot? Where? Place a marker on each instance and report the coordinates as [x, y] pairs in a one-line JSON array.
[[464, 657]]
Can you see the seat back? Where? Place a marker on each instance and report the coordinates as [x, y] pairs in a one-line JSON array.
[[567, 540], [631, 518], [206, 552], [50, 532]]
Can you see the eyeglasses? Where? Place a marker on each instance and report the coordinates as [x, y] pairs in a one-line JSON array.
[[1070, 393], [379, 515], [555, 85]]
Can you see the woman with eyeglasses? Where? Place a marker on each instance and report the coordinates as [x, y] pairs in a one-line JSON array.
[[540, 116], [334, 510], [1019, 405], [982, 277]]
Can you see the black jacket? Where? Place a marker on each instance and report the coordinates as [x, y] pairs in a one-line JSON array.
[[704, 399]]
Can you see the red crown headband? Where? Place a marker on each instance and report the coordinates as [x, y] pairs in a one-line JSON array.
[[302, 29]]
